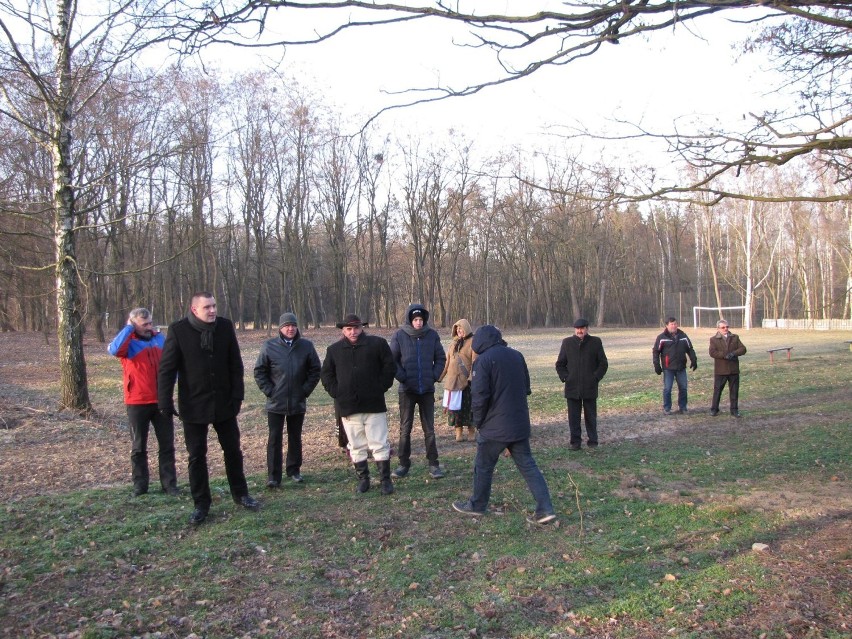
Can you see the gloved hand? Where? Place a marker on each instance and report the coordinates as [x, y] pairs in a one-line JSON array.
[[693, 366], [658, 369], [169, 412]]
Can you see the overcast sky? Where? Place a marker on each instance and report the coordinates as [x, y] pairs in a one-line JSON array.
[[689, 72]]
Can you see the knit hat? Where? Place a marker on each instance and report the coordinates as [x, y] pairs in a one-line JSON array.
[[287, 318], [351, 320]]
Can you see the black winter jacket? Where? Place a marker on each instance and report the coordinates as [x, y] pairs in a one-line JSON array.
[[287, 375], [210, 384], [419, 356], [670, 351], [358, 375], [581, 365], [499, 388]]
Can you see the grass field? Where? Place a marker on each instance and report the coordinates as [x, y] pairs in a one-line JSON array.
[[655, 534]]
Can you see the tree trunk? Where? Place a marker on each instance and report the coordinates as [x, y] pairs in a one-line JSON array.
[[74, 389]]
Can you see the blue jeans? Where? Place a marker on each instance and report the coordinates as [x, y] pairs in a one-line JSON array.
[[669, 378], [487, 454]]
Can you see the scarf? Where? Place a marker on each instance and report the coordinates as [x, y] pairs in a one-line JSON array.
[[415, 332], [205, 329]]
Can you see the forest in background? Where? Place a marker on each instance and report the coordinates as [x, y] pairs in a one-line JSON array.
[[249, 187]]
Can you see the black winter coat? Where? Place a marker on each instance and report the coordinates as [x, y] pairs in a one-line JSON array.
[[670, 351], [581, 365], [419, 356], [358, 375], [499, 388], [210, 384], [287, 375]]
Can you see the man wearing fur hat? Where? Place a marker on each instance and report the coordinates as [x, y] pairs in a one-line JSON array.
[[419, 361], [357, 372], [287, 371]]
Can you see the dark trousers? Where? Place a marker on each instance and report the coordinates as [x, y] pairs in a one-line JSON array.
[[228, 433], [589, 408], [275, 444], [488, 454], [426, 406], [139, 417], [733, 382]]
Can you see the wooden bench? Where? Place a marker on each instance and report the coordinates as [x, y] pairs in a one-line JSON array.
[[772, 352]]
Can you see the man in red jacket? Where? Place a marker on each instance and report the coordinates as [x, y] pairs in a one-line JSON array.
[[139, 346]]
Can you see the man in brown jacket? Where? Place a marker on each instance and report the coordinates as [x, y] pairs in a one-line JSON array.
[[726, 349]]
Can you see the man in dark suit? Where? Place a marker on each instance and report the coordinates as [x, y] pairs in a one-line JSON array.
[[201, 352]]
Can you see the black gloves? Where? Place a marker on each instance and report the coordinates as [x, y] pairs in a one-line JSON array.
[[169, 412], [693, 366], [658, 369]]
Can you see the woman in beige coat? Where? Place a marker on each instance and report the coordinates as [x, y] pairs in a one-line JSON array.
[[456, 377]]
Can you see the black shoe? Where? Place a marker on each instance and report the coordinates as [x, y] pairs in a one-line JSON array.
[[735, 413], [198, 516], [465, 508], [138, 491], [714, 411], [385, 477], [574, 447], [682, 411], [435, 472], [273, 484], [297, 478], [400, 472], [592, 445], [247, 501], [173, 491]]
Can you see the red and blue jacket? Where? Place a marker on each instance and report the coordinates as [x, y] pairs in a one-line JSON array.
[[140, 359]]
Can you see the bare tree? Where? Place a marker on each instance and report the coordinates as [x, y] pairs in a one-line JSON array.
[[54, 58], [809, 39]]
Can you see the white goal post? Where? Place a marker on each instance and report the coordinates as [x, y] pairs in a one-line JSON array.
[[738, 317]]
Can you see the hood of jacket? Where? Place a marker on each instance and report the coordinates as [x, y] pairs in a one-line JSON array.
[[486, 337], [408, 328], [465, 325]]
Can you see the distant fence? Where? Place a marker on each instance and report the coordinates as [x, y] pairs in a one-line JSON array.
[[812, 324]]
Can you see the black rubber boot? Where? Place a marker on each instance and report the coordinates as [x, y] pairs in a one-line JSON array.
[[385, 475], [363, 473]]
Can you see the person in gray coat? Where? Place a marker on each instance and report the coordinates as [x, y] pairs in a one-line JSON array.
[[581, 366], [287, 371]]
